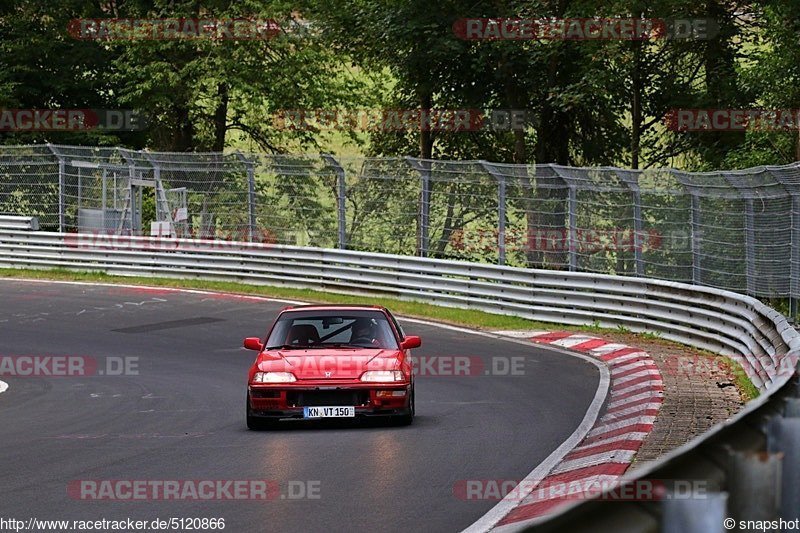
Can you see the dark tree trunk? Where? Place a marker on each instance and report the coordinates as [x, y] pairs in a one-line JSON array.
[[220, 118], [425, 137], [183, 136]]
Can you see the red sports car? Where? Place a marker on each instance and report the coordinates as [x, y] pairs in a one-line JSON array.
[[331, 361]]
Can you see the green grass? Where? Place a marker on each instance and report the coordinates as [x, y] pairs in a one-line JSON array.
[[747, 390], [650, 335]]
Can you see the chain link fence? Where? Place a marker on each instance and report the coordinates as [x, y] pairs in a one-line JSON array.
[[736, 230]]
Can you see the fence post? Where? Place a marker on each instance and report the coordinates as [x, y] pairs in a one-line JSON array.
[[638, 255], [424, 169], [501, 211], [695, 228], [251, 195], [572, 205], [157, 178], [787, 178], [572, 214], [134, 194], [749, 247], [341, 206], [749, 231], [638, 230], [61, 170]]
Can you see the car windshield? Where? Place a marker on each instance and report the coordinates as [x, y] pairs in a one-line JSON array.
[[328, 329]]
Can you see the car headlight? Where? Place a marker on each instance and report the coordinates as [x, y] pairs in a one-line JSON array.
[[382, 375], [274, 377]]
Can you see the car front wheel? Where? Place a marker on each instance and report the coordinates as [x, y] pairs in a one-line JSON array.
[[407, 418]]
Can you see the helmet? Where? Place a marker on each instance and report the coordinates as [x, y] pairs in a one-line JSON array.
[[363, 327]]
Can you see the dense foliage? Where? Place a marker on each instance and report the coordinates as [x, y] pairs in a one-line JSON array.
[[588, 102]]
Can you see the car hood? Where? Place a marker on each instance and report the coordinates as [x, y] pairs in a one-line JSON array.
[[329, 363]]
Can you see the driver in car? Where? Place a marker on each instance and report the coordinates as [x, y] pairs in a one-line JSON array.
[[364, 332]]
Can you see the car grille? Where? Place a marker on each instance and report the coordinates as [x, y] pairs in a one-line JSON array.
[[317, 398], [261, 393]]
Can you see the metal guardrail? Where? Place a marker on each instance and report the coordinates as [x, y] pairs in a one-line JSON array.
[[723, 322], [18, 222]]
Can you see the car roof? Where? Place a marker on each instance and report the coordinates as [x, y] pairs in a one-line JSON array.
[[334, 307]]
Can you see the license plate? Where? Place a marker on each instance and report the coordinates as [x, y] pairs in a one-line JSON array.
[[329, 412]]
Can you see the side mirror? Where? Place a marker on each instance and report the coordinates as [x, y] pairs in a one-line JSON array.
[[253, 343], [411, 341]]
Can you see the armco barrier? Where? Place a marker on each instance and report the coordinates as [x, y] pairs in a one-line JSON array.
[[720, 321], [13, 222]]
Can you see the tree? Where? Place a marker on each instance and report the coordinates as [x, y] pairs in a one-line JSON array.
[[44, 68], [198, 91]]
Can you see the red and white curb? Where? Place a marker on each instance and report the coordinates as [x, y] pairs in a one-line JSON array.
[[609, 448]]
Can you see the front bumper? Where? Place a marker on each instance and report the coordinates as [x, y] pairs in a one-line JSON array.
[[368, 399]]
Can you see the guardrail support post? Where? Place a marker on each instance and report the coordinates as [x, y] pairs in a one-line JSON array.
[[61, 184], [501, 211], [754, 481], [698, 514], [783, 435], [572, 205], [792, 408], [341, 206], [424, 169]]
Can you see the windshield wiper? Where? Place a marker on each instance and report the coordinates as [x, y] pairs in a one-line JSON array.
[[339, 345], [287, 347]]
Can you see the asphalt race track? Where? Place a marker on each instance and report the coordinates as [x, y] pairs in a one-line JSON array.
[[179, 415]]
